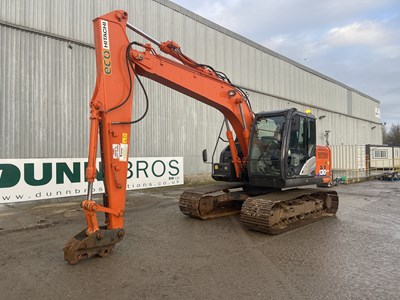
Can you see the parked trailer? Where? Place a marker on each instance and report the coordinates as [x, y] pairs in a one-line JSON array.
[[382, 157]]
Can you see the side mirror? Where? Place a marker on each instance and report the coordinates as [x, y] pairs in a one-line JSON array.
[[204, 155]]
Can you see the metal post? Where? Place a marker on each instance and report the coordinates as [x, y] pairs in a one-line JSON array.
[[90, 188], [227, 124], [141, 33], [242, 115]]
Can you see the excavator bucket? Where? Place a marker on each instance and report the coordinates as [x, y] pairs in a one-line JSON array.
[[100, 243]]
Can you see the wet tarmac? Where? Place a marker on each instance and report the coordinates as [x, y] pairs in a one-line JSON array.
[[166, 255]]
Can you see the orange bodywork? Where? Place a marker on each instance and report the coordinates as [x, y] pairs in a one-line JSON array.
[[114, 86], [323, 168]]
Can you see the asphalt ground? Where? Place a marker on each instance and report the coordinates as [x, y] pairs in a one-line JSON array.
[[167, 255]]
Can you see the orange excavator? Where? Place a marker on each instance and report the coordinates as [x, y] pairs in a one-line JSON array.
[[269, 154]]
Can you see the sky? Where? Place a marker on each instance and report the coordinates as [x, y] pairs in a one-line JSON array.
[[356, 42]]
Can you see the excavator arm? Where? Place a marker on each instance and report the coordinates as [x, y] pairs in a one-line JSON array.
[[110, 120]]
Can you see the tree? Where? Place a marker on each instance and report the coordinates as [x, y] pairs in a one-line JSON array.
[[384, 134], [392, 137]]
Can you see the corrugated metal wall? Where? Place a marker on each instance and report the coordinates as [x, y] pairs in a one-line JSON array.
[[348, 157], [46, 83]]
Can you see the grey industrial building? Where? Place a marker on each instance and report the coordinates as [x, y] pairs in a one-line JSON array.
[[48, 75]]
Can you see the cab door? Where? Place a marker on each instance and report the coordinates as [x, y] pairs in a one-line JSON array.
[[300, 159]]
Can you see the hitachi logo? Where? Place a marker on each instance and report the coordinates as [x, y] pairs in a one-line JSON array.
[[104, 34]]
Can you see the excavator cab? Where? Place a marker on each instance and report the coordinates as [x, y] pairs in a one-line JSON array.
[[282, 152], [282, 149]]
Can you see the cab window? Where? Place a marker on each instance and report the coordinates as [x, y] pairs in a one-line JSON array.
[[301, 152]]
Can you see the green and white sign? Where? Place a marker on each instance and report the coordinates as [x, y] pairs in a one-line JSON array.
[[36, 179]]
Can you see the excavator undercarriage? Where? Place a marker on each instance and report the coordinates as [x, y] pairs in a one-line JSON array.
[[212, 202], [272, 213]]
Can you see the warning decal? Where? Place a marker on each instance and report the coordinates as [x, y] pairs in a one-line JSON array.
[[123, 156], [115, 150]]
